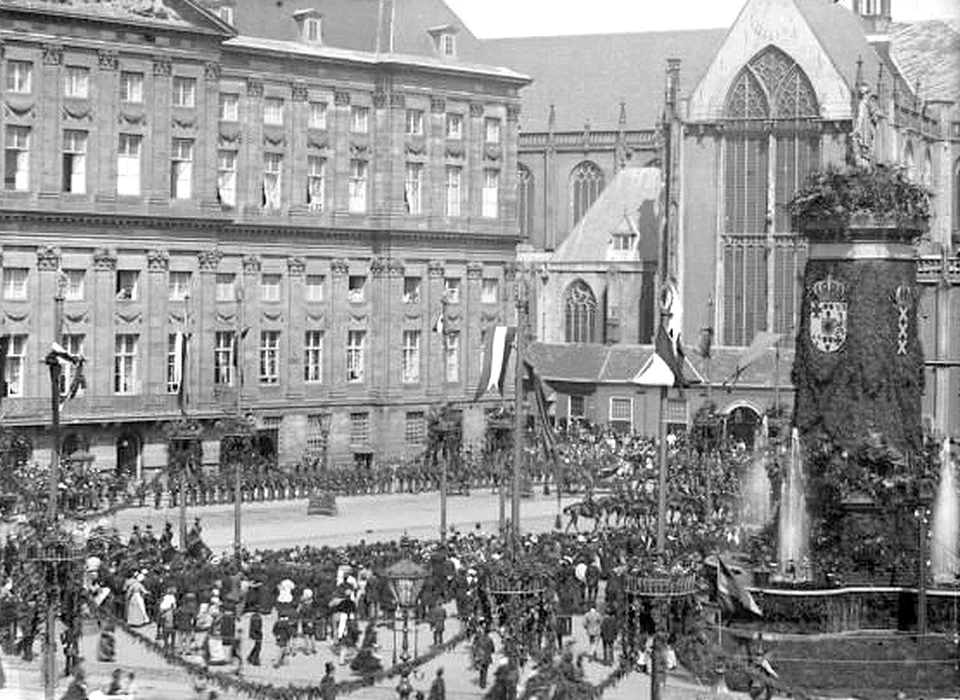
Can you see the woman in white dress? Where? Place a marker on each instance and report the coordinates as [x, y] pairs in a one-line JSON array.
[[136, 605]]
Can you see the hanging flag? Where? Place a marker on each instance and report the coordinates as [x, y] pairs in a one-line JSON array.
[[543, 416], [762, 341], [663, 367], [731, 594], [441, 324], [180, 342], [4, 349], [78, 380], [237, 350], [496, 358]]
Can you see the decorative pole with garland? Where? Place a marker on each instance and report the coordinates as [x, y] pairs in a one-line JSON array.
[[859, 370]]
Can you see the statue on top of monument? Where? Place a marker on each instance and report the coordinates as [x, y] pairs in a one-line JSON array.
[[861, 145]]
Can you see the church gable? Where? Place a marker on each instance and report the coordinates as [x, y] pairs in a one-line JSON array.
[[175, 15], [778, 34]]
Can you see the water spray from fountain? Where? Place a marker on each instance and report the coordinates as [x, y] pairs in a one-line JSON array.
[[793, 548], [756, 485], [944, 562]]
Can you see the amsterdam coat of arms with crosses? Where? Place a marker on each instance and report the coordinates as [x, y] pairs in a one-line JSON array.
[[828, 315]]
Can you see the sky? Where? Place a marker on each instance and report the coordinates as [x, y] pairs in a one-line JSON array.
[[499, 18]]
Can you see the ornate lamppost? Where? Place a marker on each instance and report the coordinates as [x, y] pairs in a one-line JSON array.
[[184, 458], [406, 581], [236, 450]]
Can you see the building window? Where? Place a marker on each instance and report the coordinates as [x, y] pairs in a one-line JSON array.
[[451, 356], [451, 290], [356, 340], [413, 188], [356, 288], [489, 290], [73, 343], [226, 14], [359, 428], [317, 118], [359, 119], [314, 285], [270, 287], [76, 281], [16, 361], [229, 107], [316, 178], [317, 432], [621, 413], [579, 313], [454, 126], [16, 165], [128, 285], [358, 186], [273, 111], [75, 161], [491, 130], [763, 260], [525, 195], [20, 77], [676, 415], [415, 428], [269, 357], [181, 169], [227, 178], [411, 357], [454, 178], [447, 44], [411, 290], [125, 364], [312, 29], [76, 82], [414, 125], [173, 381], [178, 285], [224, 359], [491, 193], [622, 241], [131, 87], [272, 169], [128, 165], [313, 357], [226, 286], [184, 92], [15, 283], [577, 408], [586, 184]]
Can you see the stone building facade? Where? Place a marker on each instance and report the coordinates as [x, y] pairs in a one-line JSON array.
[[297, 201]]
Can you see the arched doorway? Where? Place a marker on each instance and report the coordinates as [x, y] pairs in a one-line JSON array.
[[741, 425], [129, 449]]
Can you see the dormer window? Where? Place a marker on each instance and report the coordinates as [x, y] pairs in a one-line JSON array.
[[445, 40], [310, 23], [226, 14], [623, 241]]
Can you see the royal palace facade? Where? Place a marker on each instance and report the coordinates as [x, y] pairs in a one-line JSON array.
[[300, 192]]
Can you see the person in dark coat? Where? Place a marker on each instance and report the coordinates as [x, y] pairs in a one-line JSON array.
[[438, 620], [482, 655], [256, 636], [609, 629], [77, 690], [328, 685], [438, 689]]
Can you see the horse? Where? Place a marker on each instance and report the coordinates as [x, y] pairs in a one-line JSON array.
[[582, 509]]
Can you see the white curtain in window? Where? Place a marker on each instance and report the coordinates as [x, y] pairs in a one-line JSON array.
[[128, 175], [227, 187], [78, 173], [271, 190]]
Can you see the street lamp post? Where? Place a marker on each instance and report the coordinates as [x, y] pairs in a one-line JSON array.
[[406, 580]]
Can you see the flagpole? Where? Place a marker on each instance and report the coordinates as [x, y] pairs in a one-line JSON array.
[[237, 493], [662, 490], [518, 429]]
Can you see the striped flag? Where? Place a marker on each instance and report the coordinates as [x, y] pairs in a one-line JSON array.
[[496, 359], [543, 408], [180, 342]]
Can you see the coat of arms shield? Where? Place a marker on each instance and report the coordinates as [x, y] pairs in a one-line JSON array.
[[828, 315]]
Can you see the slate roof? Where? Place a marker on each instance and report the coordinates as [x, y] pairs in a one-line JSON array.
[[587, 76], [929, 52], [622, 198], [361, 25], [619, 364], [170, 13]]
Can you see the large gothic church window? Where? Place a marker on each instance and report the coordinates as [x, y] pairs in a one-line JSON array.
[[525, 201], [771, 144], [586, 184], [579, 313]]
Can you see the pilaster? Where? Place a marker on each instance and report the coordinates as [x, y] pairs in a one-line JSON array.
[[296, 311], [339, 273], [250, 189], [436, 142], [341, 150], [205, 307], [393, 332], [155, 166], [473, 146], [297, 135], [45, 131], [434, 367], [250, 319], [156, 302], [103, 292], [103, 138], [509, 143], [44, 318], [205, 150], [470, 330]]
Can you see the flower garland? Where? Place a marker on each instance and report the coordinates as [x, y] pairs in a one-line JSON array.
[[267, 691]]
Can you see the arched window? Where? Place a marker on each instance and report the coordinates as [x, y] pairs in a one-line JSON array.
[[910, 161], [770, 89], [926, 174], [586, 184], [579, 313], [525, 200]]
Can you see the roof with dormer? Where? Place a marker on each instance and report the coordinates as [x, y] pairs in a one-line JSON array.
[[627, 205], [928, 53]]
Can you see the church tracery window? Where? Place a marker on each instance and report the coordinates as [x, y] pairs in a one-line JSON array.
[[771, 146], [586, 184], [579, 313]]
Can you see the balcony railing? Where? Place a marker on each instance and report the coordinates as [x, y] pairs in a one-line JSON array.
[[89, 407]]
